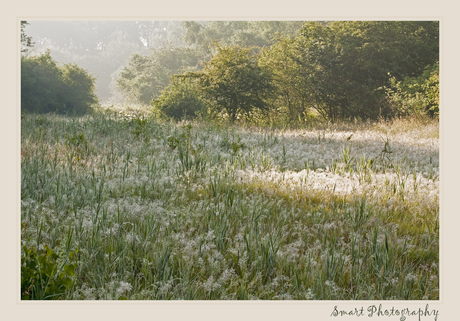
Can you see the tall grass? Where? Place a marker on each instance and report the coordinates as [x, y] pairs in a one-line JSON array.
[[134, 208]]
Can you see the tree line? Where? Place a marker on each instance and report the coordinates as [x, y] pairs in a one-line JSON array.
[[333, 70], [338, 71], [101, 47], [283, 70]]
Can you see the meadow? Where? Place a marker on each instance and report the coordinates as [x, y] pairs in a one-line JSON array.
[[120, 205]]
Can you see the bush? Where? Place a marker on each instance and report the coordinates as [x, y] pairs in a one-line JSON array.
[[180, 99], [47, 87], [342, 64], [234, 82], [143, 78], [45, 275], [416, 95]]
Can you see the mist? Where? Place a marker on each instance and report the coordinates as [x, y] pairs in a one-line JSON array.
[[104, 48], [101, 47]]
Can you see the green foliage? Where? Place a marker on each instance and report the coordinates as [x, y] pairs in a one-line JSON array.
[[143, 78], [78, 90], [234, 83], [334, 69], [205, 33], [189, 156], [40, 84], [232, 144], [237, 33], [47, 87], [180, 99], [341, 65], [140, 126], [77, 140], [289, 91], [26, 41], [416, 95], [181, 138], [45, 275]]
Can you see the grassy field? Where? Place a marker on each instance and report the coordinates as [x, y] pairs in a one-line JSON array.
[[117, 205]]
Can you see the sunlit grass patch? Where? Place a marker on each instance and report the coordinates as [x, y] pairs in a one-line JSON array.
[[159, 210]]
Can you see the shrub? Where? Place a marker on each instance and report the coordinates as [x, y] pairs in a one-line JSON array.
[[234, 82], [341, 64], [416, 95], [47, 87], [144, 76], [180, 99], [44, 275]]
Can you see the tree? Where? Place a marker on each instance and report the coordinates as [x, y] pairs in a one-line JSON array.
[[233, 82], [78, 89], [143, 78], [416, 95], [26, 41], [289, 96], [101, 47], [40, 84], [242, 33], [181, 98], [348, 61], [47, 87]]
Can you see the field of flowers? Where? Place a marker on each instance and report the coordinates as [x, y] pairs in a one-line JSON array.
[[119, 205]]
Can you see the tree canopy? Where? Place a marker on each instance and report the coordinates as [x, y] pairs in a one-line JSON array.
[[348, 61], [234, 81], [48, 87], [143, 78], [242, 33], [338, 69]]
